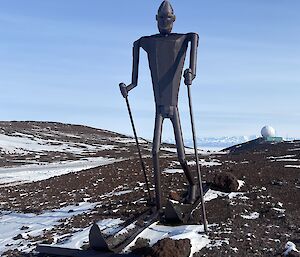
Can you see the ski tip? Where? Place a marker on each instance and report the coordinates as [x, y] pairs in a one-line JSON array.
[[97, 241]]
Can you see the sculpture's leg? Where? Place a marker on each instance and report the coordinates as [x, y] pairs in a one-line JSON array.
[[155, 158], [181, 156]]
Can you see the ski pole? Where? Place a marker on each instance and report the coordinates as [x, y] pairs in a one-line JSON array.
[[138, 147], [197, 160]]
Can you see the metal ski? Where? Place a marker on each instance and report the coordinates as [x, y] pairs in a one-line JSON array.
[[181, 213], [107, 245], [116, 243], [58, 251]]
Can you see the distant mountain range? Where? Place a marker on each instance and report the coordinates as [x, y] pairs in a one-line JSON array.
[[215, 142], [218, 142]]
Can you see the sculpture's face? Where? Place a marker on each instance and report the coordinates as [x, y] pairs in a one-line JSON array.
[[165, 18], [165, 23]]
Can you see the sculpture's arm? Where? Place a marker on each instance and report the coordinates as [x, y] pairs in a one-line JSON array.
[[190, 73], [135, 70]]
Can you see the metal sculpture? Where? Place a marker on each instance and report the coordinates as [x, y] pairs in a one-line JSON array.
[[166, 55]]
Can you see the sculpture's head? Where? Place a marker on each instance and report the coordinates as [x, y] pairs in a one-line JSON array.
[[165, 18]]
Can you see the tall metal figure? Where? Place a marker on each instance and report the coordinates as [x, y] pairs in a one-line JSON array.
[[166, 54]]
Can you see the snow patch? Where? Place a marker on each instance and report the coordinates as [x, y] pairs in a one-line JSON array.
[[290, 246], [281, 157], [285, 160], [128, 140], [172, 171], [292, 166], [251, 216], [213, 194], [294, 149], [202, 162], [241, 184], [115, 192]]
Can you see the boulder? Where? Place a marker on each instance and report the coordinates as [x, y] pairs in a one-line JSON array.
[[166, 248], [173, 195], [172, 248], [226, 182]]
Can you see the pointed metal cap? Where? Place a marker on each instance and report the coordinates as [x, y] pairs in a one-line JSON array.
[[165, 8]]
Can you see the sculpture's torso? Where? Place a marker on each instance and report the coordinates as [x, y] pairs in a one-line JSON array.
[[166, 55]]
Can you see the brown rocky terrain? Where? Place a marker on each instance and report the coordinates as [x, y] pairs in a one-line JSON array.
[[257, 221]]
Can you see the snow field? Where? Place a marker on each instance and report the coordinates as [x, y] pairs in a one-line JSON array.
[[12, 222], [23, 143], [38, 172]]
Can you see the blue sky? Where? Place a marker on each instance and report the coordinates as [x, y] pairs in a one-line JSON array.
[[63, 61]]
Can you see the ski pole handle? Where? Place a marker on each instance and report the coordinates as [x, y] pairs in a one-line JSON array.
[[123, 89], [188, 77]]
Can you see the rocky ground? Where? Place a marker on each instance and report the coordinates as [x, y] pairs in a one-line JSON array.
[[257, 221]]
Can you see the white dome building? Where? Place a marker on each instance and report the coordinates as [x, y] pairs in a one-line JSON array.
[[269, 135], [267, 131]]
